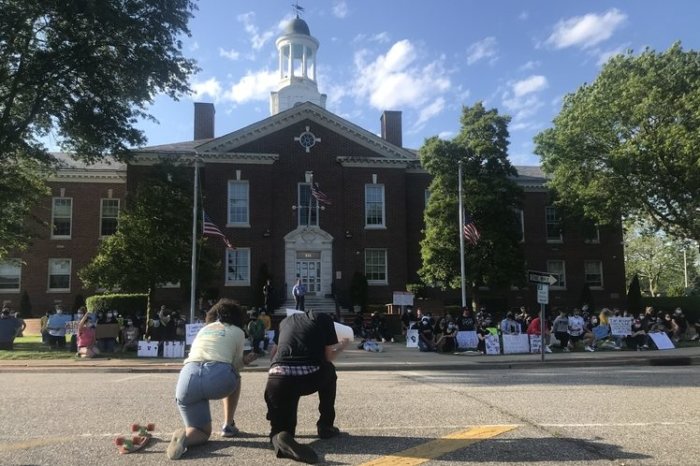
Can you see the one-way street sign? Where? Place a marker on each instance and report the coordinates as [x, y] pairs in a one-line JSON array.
[[541, 277]]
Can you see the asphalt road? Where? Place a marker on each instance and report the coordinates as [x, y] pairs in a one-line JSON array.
[[572, 416]]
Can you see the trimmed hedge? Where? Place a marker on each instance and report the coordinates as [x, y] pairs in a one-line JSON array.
[[124, 304]]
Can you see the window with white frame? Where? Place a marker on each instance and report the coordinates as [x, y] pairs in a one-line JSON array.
[[553, 225], [238, 203], [59, 274], [61, 217], [109, 216], [238, 266], [558, 269], [591, 233], [375, 266], [10, 275], [593, 273], [374, 205]]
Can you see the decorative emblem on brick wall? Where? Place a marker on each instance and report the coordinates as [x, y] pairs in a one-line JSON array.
[[307, 139]]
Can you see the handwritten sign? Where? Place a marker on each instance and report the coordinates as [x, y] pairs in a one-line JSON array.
[[402, 298], [535, 343], [493, 344], [174, 349], [621, 326], [191, 331], [467, 339], [147, 349], [412, 338], [513, 344]]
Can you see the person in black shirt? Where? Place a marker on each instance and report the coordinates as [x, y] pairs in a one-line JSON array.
[[467, 321], [302, 365]]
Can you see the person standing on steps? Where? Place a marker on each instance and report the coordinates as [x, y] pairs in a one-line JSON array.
[[299, 291], [268, 296]]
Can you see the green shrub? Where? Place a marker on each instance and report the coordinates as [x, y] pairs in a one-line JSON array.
[[124, 304], [689, 304]]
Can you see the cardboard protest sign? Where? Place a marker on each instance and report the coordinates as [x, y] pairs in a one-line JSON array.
[[467, 339], [621, 326], [412, 338], [513, 344], [72, 327], [535, 343], [191, 331], [106, 331], [147, 349], [661, 340], [493, 344]]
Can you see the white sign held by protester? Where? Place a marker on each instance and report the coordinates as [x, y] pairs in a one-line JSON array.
[[621, 326], [412, 338], [402, 298], [467, 339], [513, 344], [191, 331], [535, 343], [661, 340], [174, 349], [147, 349], [493, 344]]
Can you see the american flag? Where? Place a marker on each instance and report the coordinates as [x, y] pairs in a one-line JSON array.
[[471, 234], [319, 195], [209, 228]]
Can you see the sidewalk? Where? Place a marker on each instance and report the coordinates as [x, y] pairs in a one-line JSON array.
[[395, 357]]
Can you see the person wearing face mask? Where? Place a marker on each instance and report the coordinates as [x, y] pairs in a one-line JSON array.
[[9, 328], [107, 343], [56, 327], [76, 321], [87, 343], [130, 336]]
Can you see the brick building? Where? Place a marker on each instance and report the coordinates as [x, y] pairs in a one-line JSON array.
[[257, 189]]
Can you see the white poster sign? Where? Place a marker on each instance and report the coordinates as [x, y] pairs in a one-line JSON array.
[[535, 343], [270, 334], [174, 349], [147, 349], [412, 338], [493, 344], [402, 298], [621, 326], [661, 340], [467, 339], [513, 344], [191, 331]]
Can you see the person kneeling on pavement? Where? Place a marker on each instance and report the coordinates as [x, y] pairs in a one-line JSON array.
[[302, 365]]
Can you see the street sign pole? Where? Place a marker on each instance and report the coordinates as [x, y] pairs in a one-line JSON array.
[[542, 298]]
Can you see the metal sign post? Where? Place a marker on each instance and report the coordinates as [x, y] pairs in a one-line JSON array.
[[543, 281]]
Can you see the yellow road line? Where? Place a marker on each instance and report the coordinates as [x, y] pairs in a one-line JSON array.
[[33, 443], [427, 451]]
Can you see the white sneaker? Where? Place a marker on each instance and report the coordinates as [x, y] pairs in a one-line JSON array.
[[589, 349], [547, 349], [177, 445]]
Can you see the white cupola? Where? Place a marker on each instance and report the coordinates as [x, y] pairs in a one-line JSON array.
[[296, 50]]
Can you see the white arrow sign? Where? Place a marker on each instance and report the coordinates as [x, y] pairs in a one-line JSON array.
[[541, 277]]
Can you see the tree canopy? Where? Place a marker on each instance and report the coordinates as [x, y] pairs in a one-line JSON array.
[[82, 72], [490, 196], [628, 144]]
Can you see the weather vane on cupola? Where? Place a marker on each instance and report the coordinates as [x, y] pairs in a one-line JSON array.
[[297, 9]]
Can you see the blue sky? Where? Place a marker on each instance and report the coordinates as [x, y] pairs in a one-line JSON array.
[[426, 59]]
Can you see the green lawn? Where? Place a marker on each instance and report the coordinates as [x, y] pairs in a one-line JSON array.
[[32, 348]]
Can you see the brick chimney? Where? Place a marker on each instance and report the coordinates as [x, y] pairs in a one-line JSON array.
[[203, 120], [391, 127]]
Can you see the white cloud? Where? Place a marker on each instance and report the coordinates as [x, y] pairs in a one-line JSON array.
[[395, 79], [529, 85], [340, 9], [445, 135], [431, 110], [194, 46], [257, 39], [380, 38], [524, 16], [586, 31], [530, 65], [253, 86], [230, 54], [211, 87], [485, 48]]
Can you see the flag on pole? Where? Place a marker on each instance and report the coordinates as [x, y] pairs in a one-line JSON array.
[[319, 195], [471, 234], [209, 228]]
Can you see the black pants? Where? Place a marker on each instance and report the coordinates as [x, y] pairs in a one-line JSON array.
[[283, 392], [299, 302]]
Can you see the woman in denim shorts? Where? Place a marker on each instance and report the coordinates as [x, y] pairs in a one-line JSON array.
[[211, 372]]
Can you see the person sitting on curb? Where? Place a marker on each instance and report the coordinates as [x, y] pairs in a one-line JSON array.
[[534, 328], [9, 328]]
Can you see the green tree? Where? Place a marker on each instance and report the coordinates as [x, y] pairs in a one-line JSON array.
[[153, 242], [83, 72], [628, 143], [634, 296], [490, 196]]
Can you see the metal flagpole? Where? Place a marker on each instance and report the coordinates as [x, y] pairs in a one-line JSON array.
[[461, 235], [195, 197]]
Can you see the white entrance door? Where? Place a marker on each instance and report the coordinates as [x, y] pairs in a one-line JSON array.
[[309, 271]]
